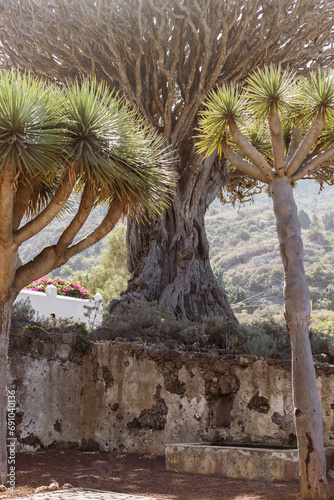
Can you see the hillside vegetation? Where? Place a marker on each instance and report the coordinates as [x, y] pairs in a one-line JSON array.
[[245, 255]]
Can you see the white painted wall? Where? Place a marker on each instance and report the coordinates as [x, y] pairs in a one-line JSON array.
[[63, 307]]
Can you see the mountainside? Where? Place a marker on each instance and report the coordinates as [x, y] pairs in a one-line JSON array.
[[244, 245]]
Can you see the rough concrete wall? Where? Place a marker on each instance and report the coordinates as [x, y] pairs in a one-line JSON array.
[[132, 397]]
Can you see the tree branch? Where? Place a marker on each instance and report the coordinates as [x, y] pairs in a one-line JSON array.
[[306, 145], [296, 137], [57, 202], [109, 222], [22, 198], [243, 165], [277, 143], [249, 150], [85, 208], [309, 165], [6, 206]]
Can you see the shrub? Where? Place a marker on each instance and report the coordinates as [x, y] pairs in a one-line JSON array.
[[147, 320], [144, 319], [261, 344], [23, 309], [244, 234], [224, 334], [304, 219], [322, 337], [68, 288]]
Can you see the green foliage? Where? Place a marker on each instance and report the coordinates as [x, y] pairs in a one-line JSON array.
[[304, 219], [31, 135], [268, 93], [316, 235], [267, 87], [110, 276], [322, 337], [82, 342], [144, 319], [235, 293], [223, 334], [23, 309], [261, 345], [34, 328], [118, 153], [328, 220], [244, 234], [316, 95], [326, 327], [221, 106]]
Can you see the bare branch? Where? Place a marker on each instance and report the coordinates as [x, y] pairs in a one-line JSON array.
[[165, 55], [306, 145], [277, 143], [311, 164], [85, 208], [249, 150], [6, 206], [52, 210], [247, 168]]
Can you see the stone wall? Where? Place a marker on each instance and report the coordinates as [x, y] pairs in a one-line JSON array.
[[127, 396]]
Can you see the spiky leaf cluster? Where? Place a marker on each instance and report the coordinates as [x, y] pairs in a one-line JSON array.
[[31, 137], [46, 130], [273, 102], [221, 106]]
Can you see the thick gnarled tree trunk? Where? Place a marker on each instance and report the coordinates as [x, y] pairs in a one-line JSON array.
[[169, 257], [308, 413]]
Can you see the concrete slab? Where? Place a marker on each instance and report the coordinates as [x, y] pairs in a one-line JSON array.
[[257, 464]]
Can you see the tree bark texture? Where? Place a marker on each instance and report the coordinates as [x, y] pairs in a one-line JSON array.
[[308, 413], [5, 320], [8, 260], [169, 256]]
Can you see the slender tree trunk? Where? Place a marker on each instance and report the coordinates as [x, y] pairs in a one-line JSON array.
[[308, 413], [5, 320], [8, 264], [169, 256]]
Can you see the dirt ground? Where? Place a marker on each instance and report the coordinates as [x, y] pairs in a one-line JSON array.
[[136, 474]]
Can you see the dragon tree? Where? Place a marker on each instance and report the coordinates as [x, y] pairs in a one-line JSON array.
[[275, 131], [165, 56]]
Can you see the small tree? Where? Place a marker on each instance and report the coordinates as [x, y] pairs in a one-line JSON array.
[[109, 277], [276, 131], [304, 219], [53, 143]]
